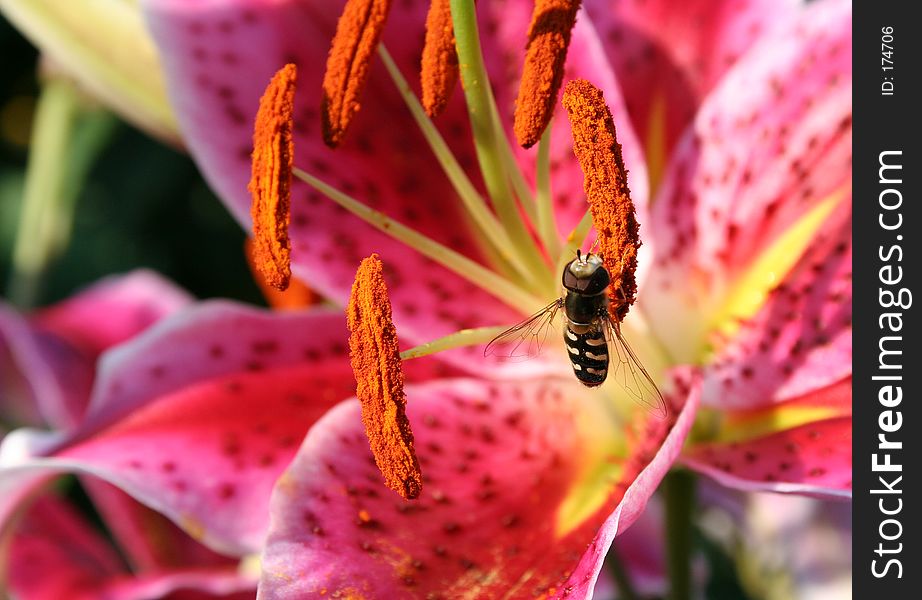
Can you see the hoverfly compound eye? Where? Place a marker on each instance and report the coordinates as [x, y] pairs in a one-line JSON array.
[[598, 281], [586, 275], [570, 277]]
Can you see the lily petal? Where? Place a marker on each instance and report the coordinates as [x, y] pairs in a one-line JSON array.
[[149, 541], [55, 349], [218, 57], [800, 340], [667, 438], [212, 339], [801, 446], [822, 471], [198, 417], [669, 55], [642, 552], [33, 373], [113, 310], [498, 461], [769, 145], [55, 554]]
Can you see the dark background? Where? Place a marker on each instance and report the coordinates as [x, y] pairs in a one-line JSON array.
[[144, 204]]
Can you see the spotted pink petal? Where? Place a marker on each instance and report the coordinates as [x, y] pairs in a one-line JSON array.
[[54, 350], [641, 550], [112, 311], [148, 540], [811, 460], [218, 57], [212, 339], [497, 460], [673, 53], [800, 340], [55, 554], [770, 142], [655, 455], [503, 28], [197, 418], [192, 584], [29, 372], [800, 446]]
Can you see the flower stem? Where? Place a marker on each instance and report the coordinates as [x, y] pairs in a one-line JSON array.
[[459, 339], [679, 492], [480, 276], [66, 140], [488, 137], [622, 578], [574, 241], [547, 227], [522, 191], [486, 223]]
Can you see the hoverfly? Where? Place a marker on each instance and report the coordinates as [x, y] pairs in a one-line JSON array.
[[590, 336]]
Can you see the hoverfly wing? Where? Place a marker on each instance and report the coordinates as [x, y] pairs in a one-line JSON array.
[[630, 374], [525, 340]]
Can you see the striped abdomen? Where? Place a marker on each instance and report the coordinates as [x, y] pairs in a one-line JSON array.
[[588, 353]]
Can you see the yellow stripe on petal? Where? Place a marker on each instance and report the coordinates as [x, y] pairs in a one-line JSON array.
[[748, 293], [741, 427], [588, 495], [602, 458]]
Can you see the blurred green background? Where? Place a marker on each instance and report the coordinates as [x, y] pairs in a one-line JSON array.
[[144, 204]]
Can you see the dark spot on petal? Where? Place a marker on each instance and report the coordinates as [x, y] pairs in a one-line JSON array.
[[451, 527], [226, 490], [264, 346]]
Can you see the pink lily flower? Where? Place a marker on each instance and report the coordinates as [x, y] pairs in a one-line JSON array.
[[755, 163], [517, 517], [745, 273], [55, 553], [236, 388], [49, 363], [48, 359]]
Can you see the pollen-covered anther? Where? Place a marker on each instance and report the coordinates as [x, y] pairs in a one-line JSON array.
[[605, 183], [379, 377], [298, 296], [348, 64], [548, 39], [439, 72], [270, 183]]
